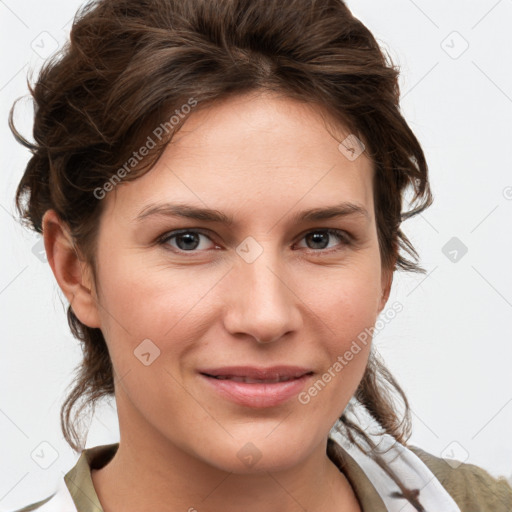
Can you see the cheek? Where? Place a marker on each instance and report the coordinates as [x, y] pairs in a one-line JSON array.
[[346, 299], [140, 302], [347, 305], [347, 350]]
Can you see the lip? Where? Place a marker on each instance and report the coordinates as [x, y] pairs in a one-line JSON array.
[[258, 395]]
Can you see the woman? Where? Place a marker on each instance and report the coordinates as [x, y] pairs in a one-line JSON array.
[[219, 186]]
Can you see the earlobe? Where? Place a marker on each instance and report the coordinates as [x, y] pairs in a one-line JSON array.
[[72, 273]]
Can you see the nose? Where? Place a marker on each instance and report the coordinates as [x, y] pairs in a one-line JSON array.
[[263, 304]]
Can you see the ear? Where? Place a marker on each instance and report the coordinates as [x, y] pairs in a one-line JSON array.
[[72, 273], [386, 282]]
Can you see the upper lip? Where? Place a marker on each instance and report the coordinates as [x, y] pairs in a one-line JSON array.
[[253, 372]]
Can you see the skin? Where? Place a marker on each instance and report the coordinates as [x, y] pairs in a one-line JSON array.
[[260, 158]]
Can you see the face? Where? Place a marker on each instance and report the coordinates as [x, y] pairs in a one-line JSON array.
[[179, 297]]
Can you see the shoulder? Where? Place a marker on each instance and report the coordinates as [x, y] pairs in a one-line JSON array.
[[470, 486], [35, 506]]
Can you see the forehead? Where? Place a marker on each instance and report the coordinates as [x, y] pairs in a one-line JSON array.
[[262, 153]]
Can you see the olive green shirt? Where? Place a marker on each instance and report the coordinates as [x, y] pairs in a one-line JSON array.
[[471, 487]]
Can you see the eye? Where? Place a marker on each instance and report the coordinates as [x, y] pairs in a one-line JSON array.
[[188, 240], [319, 237]]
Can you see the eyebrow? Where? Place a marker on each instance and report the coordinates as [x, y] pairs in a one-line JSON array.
[[187, 211]]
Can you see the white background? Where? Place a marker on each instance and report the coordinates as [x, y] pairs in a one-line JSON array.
[[451, 346]]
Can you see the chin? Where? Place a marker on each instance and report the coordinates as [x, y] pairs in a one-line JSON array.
[[260, 453]]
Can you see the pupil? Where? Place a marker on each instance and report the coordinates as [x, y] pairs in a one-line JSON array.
[[317, 238], [189, 238]]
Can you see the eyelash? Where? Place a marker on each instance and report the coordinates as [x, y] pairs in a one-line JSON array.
[[345, 238]]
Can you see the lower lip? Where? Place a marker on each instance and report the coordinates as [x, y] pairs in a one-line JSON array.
[[268, 394]]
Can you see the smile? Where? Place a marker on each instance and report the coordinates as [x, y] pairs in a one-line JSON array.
[[257, 387]]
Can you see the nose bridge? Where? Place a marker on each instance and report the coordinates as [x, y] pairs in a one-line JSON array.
[[264, 305]]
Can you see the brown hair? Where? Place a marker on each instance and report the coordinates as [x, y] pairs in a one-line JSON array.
[[130, 63]]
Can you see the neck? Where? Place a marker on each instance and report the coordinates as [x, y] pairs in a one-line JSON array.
[[150, 473]]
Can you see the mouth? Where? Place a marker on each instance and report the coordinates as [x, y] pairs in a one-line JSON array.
[[257, 387], [253, 374]]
